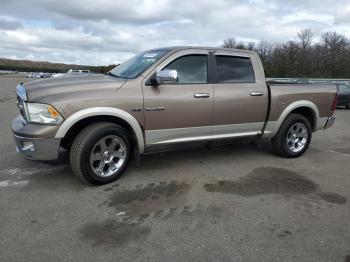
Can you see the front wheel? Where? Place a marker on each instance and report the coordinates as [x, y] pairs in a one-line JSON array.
[[100, 153], [293, 137]]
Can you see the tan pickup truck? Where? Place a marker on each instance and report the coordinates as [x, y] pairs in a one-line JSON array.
[[163, 99]]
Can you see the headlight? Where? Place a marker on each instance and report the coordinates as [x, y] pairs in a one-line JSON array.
[[42, 113]]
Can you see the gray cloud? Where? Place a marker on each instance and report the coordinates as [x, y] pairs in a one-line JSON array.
[[9, 23], [99, 32], [343, 16]]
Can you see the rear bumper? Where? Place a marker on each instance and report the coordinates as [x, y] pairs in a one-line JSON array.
[[330, 121], [29, 143]]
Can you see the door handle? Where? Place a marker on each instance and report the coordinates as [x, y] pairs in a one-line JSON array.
[[201, 95], [256, 93]]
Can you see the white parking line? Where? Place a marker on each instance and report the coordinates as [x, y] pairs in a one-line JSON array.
[[339, 153], [9, 183]]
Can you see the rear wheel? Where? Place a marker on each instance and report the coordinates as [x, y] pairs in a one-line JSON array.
[[100, 153], [293, 137]]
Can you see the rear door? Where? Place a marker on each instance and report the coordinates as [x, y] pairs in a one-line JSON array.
[[183, 111], [240, 94]]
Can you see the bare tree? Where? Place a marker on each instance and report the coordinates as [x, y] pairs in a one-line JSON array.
[[233, 43], [250, 46], [333, 49], [304, 37], [302, 57], [304, 53], [230, 43]]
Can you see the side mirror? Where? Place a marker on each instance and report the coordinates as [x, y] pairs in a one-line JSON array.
[[165, 77]]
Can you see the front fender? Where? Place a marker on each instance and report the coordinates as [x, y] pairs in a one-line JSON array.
[[96, 111]]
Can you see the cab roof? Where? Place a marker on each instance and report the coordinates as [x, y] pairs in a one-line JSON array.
[[178, 48]]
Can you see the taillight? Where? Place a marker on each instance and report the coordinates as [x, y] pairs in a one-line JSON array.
[[335, 101]]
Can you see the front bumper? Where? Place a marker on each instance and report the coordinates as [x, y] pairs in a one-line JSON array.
[[330, 121], [34, 148]]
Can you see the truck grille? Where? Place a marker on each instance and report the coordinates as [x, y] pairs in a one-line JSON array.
[[21, 107]]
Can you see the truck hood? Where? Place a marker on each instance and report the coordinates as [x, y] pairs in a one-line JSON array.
[[43, 88]]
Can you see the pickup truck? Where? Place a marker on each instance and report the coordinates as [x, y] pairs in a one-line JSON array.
[[163, 99]]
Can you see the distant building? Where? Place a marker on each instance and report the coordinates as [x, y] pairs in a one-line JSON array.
[[78, 72]]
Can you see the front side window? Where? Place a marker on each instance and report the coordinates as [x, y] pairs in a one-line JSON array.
[[138, 64], [233, 69], [191, 69]]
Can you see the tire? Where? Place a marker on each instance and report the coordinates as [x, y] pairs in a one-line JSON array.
[[100, 153], [292, 141]]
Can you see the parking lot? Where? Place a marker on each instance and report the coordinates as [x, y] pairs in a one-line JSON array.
[[229, 203]]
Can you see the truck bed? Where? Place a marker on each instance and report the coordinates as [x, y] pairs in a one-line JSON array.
[[319, 97]]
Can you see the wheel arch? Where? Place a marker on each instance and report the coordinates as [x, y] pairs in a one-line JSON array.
[[303, 107], [77, 121]]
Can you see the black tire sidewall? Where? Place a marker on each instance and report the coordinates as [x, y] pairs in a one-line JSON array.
[[295, 119], [98, 134]]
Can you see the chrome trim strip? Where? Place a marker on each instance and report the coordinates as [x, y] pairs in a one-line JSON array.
[[163, 135], [21, 92], [166, 136], [210, 137], [110, 111], [237, 128], [256, 93], [26, 111], [29, 138], [201, 95]]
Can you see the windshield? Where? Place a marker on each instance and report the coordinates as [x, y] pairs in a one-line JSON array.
[[136, 65]]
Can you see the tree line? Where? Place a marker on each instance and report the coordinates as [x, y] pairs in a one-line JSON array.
[[302, 57], [39, 66]]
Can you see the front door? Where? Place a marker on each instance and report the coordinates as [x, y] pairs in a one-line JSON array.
[[183, 111]]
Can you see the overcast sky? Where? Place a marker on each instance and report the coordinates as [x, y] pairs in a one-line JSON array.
[[101, 32]]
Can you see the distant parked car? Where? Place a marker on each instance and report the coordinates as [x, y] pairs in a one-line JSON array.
[[38, 75], [343, 95], [57, 75], [78, 72]]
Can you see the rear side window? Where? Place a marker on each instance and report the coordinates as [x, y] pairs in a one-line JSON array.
[[234, 69], [191, 69]]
